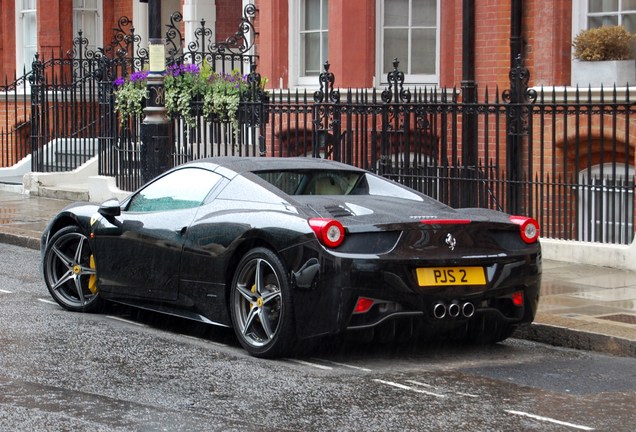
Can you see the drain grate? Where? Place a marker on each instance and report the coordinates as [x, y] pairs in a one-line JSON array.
[[623, 318]]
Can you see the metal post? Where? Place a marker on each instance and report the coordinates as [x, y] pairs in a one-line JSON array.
[[469, 113], [156, 131], [515, 117]]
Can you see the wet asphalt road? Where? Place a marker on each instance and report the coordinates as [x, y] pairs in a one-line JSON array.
[[129, 370]]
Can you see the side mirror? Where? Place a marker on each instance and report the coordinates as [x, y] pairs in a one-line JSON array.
[[110, 209]]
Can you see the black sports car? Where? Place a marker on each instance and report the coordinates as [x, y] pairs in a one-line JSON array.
[[287, 249]]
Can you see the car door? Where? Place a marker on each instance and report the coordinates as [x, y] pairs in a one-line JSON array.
[[138, 253]]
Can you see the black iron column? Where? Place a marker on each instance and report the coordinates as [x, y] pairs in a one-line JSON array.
[[469, 114], [156, 131], [515, 126]]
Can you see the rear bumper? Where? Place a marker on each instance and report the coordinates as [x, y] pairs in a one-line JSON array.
[[327, 306]]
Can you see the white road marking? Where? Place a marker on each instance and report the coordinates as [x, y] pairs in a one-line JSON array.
[[405, 387], [467, 395], [314, 365], [48, 301], [419, 383], [549, 420], [125, 321], [363, 369], [6, 292]]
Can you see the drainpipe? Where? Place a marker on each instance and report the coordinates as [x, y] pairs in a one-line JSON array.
[[469, 115], [515, 122]]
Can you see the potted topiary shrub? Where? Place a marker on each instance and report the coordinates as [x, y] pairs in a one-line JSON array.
[[604, 56]]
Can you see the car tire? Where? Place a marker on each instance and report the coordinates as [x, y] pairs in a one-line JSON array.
[[69, 271], [261, 306]]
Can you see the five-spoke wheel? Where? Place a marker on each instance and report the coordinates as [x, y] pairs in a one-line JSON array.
[[261, 304], [69, 270]]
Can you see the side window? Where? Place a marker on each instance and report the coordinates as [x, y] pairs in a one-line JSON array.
[[409, 31], [182, 189]]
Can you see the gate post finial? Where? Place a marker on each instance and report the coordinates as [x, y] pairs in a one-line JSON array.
[[396, 85]]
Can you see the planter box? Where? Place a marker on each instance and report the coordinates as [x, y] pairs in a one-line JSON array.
[[607, 73]]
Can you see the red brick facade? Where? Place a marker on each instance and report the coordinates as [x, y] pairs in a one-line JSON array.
[[352, 41]]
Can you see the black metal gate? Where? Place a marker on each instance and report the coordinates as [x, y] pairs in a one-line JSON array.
[[72, 104]]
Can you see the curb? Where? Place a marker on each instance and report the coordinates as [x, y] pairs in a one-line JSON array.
[[20, 239], [577, 339]]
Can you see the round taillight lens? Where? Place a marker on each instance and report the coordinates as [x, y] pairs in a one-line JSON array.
[[529, 228], [330, 232]]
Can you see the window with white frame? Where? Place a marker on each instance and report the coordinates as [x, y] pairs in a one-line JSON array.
[[409, 31], [87, 17], [606, 204], [26, 34], [612, 12], [312, 39], [596, 13]]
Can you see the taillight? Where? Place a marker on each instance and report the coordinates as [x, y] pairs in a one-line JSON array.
[[330, 232], [529, 228]]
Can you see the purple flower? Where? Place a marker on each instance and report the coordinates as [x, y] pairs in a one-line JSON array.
[[191, 68], [138, 76], [173, 70], [119, 82]]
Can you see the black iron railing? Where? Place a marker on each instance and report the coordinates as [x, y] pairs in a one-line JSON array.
[[563, 156]]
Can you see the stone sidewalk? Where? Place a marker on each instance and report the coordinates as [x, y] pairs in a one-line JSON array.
[[581, 306]]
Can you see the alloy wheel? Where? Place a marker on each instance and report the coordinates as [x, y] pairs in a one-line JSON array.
[[69, 270]]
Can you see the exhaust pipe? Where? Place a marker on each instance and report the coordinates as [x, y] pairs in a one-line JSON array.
[[439, 310], [453, 310], [468, 309]]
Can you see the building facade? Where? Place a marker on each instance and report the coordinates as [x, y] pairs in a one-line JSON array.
[[451, 44], [359, 38]]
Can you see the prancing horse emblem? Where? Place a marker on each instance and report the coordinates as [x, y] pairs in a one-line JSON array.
[[450, 241]]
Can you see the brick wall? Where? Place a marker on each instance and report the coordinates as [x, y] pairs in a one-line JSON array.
[[228, 15]]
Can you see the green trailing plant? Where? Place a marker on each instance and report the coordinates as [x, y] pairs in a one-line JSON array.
[[183, 83], [604, 43], [130, 94], [223, 94]]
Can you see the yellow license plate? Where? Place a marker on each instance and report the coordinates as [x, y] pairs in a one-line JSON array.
[[443, 276]]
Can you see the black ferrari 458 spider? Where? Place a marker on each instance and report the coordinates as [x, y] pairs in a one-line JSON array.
[[289, 249]]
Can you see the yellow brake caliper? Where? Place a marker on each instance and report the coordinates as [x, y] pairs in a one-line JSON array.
[[92, 280]]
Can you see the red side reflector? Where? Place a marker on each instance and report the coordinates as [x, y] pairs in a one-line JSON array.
[[445, 221], [517, 298], [363, 305]]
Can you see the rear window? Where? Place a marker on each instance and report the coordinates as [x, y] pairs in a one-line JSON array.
[[307, 182], [313, 182]]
